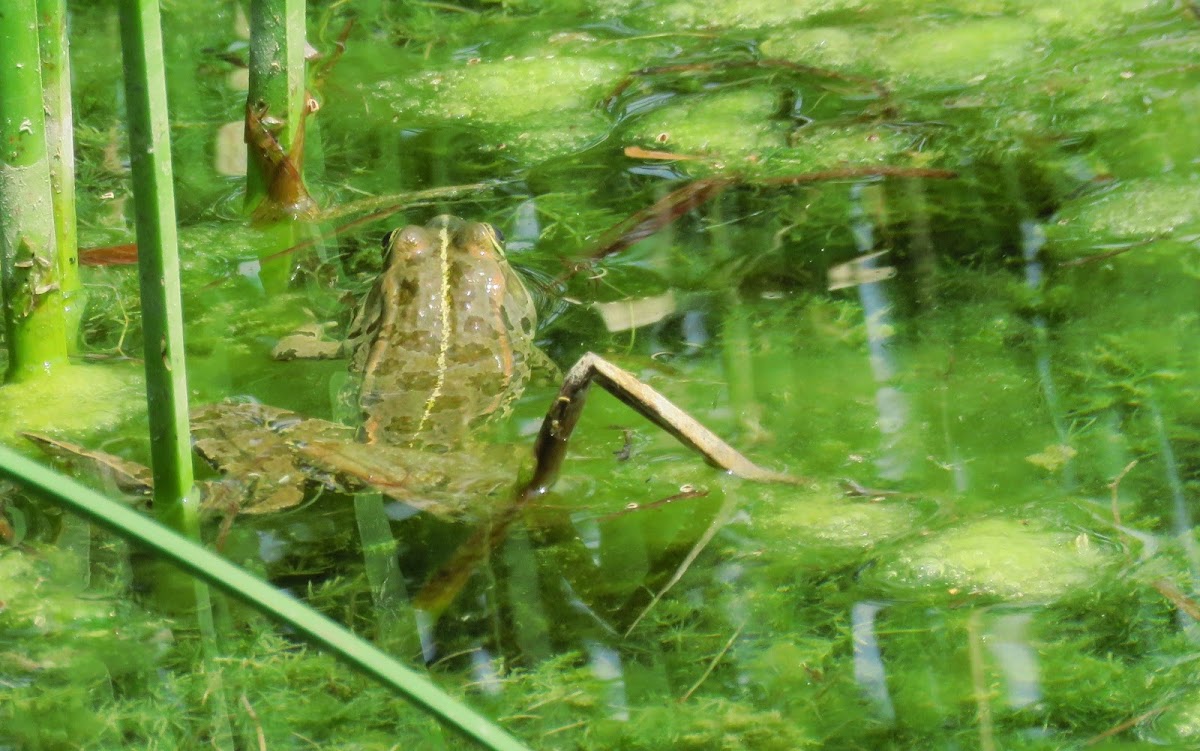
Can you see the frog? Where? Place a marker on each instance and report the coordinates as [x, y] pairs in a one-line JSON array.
[[441, 346], [444, 342]]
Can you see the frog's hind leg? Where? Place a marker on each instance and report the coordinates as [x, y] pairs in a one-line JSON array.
[[551, 446]]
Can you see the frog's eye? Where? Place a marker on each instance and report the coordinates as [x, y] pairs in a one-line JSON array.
[[386, 242], [496, 237]]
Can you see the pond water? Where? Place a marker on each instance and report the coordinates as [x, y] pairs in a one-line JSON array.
[[945, 268]]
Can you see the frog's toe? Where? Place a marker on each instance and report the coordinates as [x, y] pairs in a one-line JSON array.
[[307, 343]]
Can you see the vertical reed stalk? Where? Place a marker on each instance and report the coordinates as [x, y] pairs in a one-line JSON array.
[[60, 142], [176, 502], [158, 264], [276, 79], [395, 619], [33, 303], [276, 108]]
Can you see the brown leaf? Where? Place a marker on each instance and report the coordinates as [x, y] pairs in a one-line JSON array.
[[112, 255]]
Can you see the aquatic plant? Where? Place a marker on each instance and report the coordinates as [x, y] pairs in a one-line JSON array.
[[31, 271]]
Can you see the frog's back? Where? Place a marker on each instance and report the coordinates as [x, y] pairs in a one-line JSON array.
[[449, 336]]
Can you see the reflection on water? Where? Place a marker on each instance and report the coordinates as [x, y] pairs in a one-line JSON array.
[[869, 669], [1033, 239], [1008, 641], [892, 461]]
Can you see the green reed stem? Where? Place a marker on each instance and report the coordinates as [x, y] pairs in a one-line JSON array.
[[176, 502], [275, 191], [257, 594], [276, 76], [76, 533], [60, 142], [158, 265], [33, 304], [395, 618]]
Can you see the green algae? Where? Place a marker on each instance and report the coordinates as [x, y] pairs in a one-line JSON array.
[[560, 695], [72, 399], [729, 124], [738, 130], [999, 557], [67, 655], [1179, 724], [1133, 210], [118, 679], [824, 46], [822, 519], [745, 14], [965, 53], [1079, 18], [850, 146], [567, 85]]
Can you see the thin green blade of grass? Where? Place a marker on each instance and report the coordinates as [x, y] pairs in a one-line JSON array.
[[216, 571]]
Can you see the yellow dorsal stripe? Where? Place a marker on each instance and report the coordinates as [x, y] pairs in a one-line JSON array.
[[444, 335]]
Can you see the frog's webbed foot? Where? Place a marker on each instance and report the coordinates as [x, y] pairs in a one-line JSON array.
[[551, 446], [308, 343]]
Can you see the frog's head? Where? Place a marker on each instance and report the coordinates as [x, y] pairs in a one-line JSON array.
[[444, 234]]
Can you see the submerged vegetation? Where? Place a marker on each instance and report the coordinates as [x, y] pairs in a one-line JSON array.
[[941, 263]]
